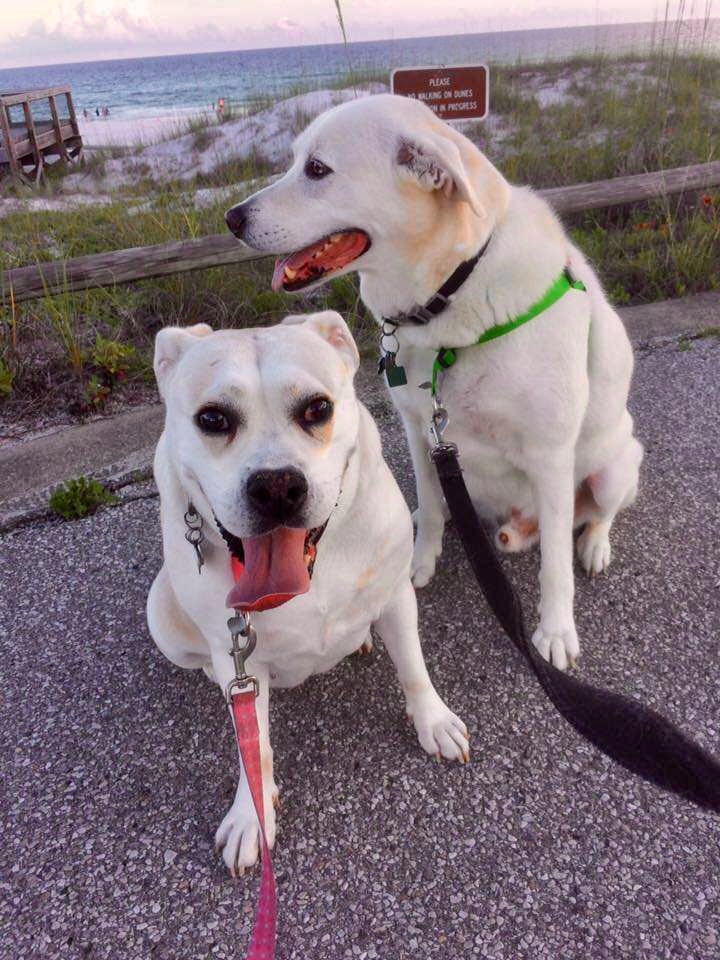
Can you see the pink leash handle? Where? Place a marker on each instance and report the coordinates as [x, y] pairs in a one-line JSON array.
[[244, 715]]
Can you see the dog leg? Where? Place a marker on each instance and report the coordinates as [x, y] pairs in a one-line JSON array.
[[555, 637], [613, 488], [429, 516], [238, 836], [174, 633], [440, 732]]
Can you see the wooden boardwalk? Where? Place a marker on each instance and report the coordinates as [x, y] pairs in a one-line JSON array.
[[27, 143]]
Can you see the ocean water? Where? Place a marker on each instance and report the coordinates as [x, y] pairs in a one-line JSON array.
[[152, 86]]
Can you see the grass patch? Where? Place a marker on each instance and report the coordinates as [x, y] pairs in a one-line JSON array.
[[80, 497]]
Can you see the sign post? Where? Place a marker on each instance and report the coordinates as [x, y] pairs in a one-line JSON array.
[[454, 93]]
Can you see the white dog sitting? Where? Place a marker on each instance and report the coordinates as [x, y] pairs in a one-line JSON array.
[[266, 441], [382, 186]]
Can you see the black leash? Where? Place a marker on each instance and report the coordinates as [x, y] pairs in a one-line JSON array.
[[634, 735]]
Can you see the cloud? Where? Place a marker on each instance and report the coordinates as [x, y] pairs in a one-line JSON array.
[[285, 23], [96, 29], [82, 20]]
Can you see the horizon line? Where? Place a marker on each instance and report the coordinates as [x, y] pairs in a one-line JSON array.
[[350, 43]]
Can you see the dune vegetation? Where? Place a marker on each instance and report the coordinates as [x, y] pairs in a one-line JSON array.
[[558, 123]]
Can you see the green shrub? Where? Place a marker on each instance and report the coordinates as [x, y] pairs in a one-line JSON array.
[[112, 357], [80, 497]]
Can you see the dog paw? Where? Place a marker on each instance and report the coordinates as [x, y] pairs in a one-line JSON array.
[[428, 547], [366, 647], [427, 550], [422, 573], [593, 549], [559, 647], [439, 730], [238, 836]]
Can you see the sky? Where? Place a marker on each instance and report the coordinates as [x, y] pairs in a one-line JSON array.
[[64, 31]]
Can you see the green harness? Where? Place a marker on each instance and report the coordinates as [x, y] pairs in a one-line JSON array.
[[446, 356]]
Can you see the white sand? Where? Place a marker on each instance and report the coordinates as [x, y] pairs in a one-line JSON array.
[[133, 131], [269, 135]]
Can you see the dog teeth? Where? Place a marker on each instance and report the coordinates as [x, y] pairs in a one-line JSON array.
[[290, 273]]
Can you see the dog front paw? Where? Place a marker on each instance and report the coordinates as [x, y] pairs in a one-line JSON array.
[[238, 836], [559, 647], [439, 730], [428, 547], [593, 548]]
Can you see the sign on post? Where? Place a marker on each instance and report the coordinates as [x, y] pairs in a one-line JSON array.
[[454, 93]]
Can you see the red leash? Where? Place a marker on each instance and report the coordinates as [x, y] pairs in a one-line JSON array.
[[244, 716]]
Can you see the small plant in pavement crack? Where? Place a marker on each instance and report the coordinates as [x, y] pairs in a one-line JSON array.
[[80, 497]]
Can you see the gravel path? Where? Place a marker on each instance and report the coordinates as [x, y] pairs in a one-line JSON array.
[[117, 767]]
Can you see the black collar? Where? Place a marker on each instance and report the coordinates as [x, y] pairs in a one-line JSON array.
[[439, 300]]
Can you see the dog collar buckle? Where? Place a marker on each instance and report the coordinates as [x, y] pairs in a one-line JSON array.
[[435, 305]]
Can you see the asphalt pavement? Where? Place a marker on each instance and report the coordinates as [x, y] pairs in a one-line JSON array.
[[117, 767]]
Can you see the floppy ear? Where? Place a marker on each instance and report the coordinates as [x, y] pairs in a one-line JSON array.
[[434, 162], [331, 327], [170, 344]]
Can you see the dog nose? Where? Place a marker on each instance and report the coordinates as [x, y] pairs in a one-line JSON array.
[[277, 494], [236, 218]]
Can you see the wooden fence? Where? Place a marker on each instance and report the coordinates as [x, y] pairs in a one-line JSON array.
[[139, 263]]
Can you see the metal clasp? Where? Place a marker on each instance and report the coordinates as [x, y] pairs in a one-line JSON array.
[[241, 629], [439, 421]]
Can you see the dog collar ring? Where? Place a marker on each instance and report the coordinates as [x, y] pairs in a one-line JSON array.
[[194, 533]]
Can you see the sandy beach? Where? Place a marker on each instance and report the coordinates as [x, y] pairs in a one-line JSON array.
[[124, 131]]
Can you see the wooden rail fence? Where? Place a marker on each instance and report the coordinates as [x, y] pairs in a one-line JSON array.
[[139, 263]]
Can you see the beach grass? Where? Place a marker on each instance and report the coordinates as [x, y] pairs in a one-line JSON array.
[[569, 121]]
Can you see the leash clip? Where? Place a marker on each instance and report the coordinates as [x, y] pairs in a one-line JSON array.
[[439, 422], [240, 627], [438, 425]]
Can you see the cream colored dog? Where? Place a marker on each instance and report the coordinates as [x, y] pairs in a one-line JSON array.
[[382, 186], [265, 437]]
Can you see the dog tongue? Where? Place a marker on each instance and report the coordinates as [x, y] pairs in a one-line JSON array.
[[274, 571]]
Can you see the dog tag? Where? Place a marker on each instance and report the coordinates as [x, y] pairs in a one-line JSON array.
[[395, 374]]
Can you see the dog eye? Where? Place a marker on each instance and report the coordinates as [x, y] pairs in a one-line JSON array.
[[316, 412], [215, 420], [315, 169]]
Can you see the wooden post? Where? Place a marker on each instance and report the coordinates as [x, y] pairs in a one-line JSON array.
[[62, 151], [71, 111], [32, 137], [9, 142]]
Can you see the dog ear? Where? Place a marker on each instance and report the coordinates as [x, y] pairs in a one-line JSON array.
[[434, 162], [332, 328], [170, 344]]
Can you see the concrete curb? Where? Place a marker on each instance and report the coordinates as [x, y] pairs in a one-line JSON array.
[[119, 450]]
